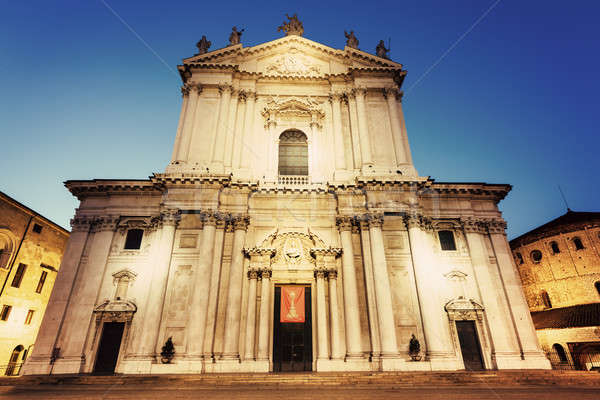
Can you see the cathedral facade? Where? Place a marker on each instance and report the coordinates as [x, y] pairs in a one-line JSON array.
[[290, 232]]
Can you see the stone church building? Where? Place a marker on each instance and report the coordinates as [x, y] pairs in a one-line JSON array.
[[289, 232]]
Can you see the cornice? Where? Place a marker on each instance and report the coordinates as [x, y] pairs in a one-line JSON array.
[[101, 187]]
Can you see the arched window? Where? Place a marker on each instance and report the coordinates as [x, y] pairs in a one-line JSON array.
[[597, 285], [11, 368], [578, 243], [546, 299], [293, 153], [5, 251], [447, 240], [520, 258], [133, 241], [560, 351], [555, 248], [536, 256]]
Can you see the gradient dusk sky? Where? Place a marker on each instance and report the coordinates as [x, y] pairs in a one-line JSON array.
[[497, 91]]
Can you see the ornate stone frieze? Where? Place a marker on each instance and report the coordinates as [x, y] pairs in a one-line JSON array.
[[81, 223], [464, 309], [293, 64], [295, 109], [105, 223]]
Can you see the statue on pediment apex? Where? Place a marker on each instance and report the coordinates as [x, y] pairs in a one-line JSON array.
[[351, 41], [292, 27], [203, 45], [235, 37], [381, 51]]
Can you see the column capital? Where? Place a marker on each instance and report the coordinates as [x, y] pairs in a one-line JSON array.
[[390, 92], [210, 217], [105, 223], [336, 97], [250, 95], [266, 273], [253, 273], [332, 273], [320, 273], [359, 92], [81, 223], [170, 217], [242, 96], [473, 225], [192, 87], [374, 219], [225, 88], [496, 226], [344, 222], [240, 222], [185, 90]]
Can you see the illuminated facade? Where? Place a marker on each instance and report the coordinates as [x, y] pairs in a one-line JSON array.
[[31, 249], [291, 169]]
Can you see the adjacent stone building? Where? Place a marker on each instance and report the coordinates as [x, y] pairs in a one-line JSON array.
[[31, 249], [559, 263], [290, 231]]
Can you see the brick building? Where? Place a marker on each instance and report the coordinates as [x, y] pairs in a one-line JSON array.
[[31, 249], [559, 263]]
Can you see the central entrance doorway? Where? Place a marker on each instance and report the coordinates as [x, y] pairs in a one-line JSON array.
[[469, 345], [108, 349], [292, 341]]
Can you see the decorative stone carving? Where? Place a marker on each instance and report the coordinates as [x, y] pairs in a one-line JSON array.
[[293, 64], [81, 224], [414, 219], [295, 109], [351, 40], [381, 51], [170, 217], [122, 279], [473, 225], [235, 37], [203, 45], [374, 219], [240, 222], [126, 223], [105, 223], [496, 226], [461, 308], [344, 223], [210, 217], [266, 273], [253, 273], [320, 273], [332, 274], [292, 27]]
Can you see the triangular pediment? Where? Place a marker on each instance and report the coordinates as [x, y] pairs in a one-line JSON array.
[[292, 56]]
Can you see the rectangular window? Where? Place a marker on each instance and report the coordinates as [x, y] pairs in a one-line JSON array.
[[29, 317], [5, 312], [133, 241], [41, 282], [16, 282], [37, 228], [447, 240]]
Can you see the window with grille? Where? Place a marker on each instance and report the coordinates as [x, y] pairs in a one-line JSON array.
[[447, 240], [41, 282], [16, 282], [293, 153]]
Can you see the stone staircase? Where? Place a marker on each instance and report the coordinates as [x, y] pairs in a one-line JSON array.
[[351, 379]]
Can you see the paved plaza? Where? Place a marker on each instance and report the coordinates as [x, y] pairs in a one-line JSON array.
[[130, 391]]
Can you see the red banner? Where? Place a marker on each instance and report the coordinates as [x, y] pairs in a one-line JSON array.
[[292, 304]]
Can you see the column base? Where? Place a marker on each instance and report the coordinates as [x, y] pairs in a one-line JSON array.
[[225, 365], [444, 362], [357, 364], [37, 366], [136, 365], [508, 360], [67, 365]]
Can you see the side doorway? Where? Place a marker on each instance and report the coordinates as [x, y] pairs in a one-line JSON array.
[[292, 341], [469, 345]]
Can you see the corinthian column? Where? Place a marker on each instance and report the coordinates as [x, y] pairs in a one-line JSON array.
[[222, 127], [338, 138], [354, 130], [190, 123], [390, 95], [334, 316], [363, 128], [370, 287], [352, 318], [263, 327], [185, 91], [232, 314], [383, 293], [245, 150], [251, 315], [232, 125], [534, 357], [197, 316], [323, 348]]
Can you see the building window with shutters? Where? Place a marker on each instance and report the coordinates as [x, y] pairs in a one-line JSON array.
[[41, 282], [18, 278], [293, 153]]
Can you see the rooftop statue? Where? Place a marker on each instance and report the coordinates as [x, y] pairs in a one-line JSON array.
[[292, 27], [235, 37], [351, 41], [381, 51], [203, 45]]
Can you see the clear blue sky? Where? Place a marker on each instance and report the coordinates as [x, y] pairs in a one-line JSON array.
[[517, 100]]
